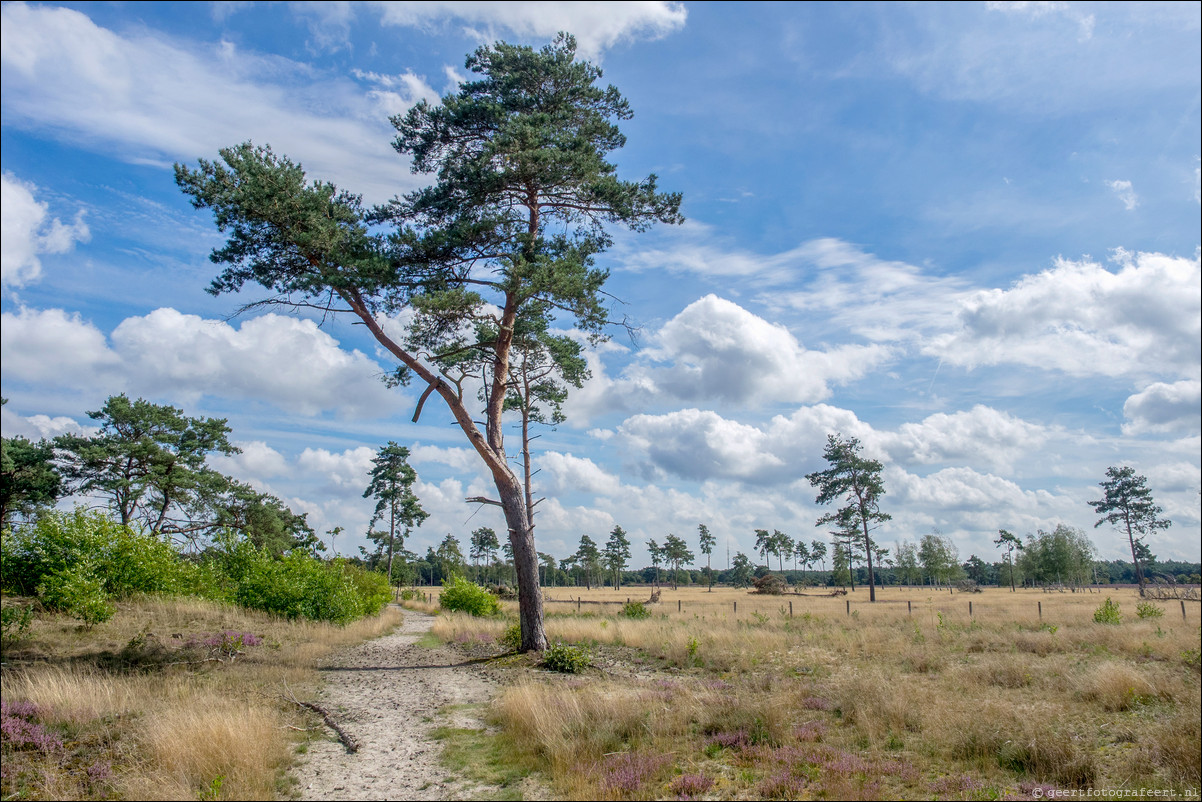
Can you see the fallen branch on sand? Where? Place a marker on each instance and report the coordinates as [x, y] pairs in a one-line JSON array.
[[351, 745]]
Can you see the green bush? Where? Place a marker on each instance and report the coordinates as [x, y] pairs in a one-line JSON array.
[[15, 621], [79, 592], [635, 610], [512, 637], [468, 597], [1146, 609], [566, 658], [298, 585], [79, 562], [124, 561], [1108, 613]]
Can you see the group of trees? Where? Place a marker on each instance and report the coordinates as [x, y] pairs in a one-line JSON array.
[[149, 463]]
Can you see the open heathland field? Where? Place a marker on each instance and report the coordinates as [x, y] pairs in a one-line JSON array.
[[730, 695], [171, 698]]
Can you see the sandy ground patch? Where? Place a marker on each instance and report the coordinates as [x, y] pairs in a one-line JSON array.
[[387, 694]]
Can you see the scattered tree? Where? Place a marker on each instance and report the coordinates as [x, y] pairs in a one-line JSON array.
[[741, 570], [818, 552], [856, 481], [588, 557], [505, 236], [763, 544], [1009, 542], [1127, 505], [617, 554], [484, 547], [676, 552], [391, 485], [707, 542], [657, 556]]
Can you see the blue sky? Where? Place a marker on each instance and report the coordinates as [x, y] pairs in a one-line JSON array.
[[967, 234]]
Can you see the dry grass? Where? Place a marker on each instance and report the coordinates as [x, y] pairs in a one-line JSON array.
[[138, 723], [919, 700]]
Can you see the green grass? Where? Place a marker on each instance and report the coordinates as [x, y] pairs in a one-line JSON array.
[[483, 757]]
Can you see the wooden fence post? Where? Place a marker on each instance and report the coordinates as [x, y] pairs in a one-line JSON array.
[[849, 606], [970, 609], [909, 608], [791, 609], [1040, 610]]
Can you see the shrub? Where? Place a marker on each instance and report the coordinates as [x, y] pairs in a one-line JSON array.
[[124, 561], [636, 610], [77, 591], [1146, 609], [770, 584], [512, 637], [15, 621], [301, 586], [460, 594], [566, 658], [1108, 613]]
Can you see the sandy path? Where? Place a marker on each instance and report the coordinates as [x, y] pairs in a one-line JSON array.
[[386, 694]]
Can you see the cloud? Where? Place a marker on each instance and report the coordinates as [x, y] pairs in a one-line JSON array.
[[597, 26], [1085, 320], [26, 232], [55, 347], [577, 474], [257, 461], [288, 363], [1003, 56], [716, 351], [40, 427], [879, 299], [1164, 408], [702, 445], [1125, 193], [148, 99], [981, 435]]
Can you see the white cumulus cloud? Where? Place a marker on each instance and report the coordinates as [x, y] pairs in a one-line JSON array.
[[27, 231], [1165, 408], [1083, 319], [289, 363]]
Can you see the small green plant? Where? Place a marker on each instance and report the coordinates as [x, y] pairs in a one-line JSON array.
[[1049, 628], [636, 610], [1192, 657], [1108, 613], [213, 791], [566, 658], [692, 648], [512, 637], [408, 594], [1145, 609], [460, 594]]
